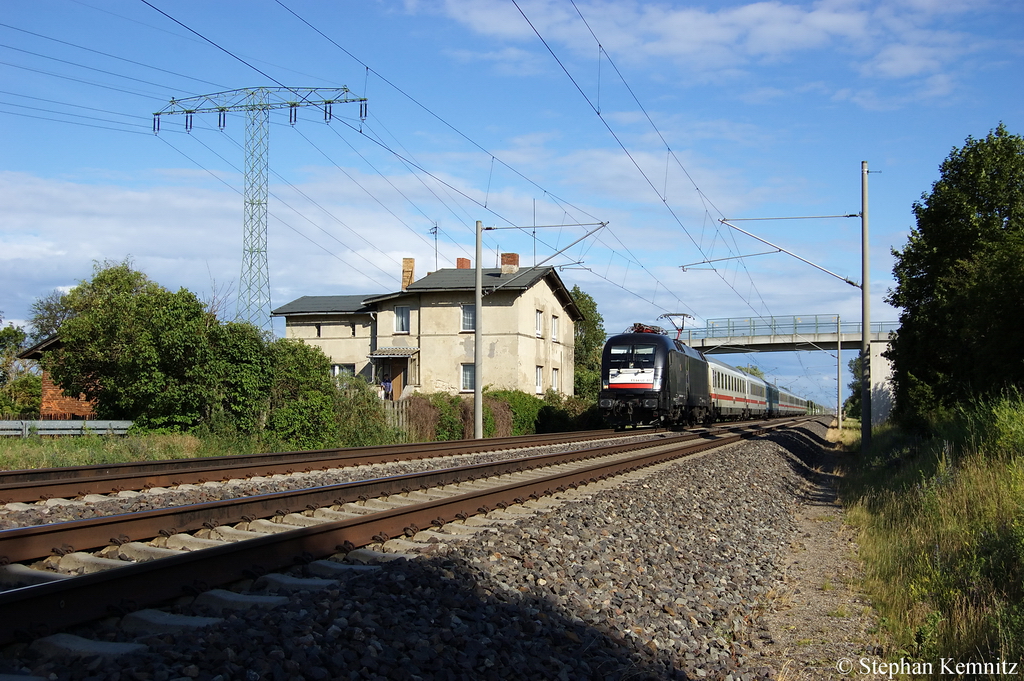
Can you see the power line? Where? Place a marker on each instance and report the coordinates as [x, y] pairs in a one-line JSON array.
[[112, 56]]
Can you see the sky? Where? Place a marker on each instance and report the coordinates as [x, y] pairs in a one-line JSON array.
[[657, 118]]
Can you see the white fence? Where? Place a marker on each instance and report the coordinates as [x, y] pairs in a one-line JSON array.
[[86, 427]]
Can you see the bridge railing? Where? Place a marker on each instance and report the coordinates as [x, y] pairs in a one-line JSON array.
[[795, 325]]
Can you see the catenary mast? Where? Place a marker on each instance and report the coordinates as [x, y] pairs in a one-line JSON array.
[[254, 283]]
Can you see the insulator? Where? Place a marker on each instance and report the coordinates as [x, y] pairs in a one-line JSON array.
[[293, 113], [362, 110], [188, 122], [328, 114], [222, 119], [156, 124]]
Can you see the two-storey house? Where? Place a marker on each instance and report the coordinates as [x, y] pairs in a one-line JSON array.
[[422, 337]]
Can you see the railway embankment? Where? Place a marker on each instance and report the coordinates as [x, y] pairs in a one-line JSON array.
[[667, 572]]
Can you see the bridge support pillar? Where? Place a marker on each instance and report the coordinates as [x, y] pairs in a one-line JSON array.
[[881, 383]]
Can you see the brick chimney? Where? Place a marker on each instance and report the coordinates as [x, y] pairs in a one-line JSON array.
[[408, 265], [463, 264], [509, 263]]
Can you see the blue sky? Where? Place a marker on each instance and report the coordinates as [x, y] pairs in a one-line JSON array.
[[485, 110]]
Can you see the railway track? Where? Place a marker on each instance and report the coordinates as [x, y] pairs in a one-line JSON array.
[[80, 481], [153, 557]]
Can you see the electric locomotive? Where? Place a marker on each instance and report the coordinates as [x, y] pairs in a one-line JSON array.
[[648, 378]]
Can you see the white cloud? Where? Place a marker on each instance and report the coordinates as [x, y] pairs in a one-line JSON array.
[[881, 41]]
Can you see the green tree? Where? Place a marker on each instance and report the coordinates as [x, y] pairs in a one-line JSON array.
[[589, 342], [852, 404], [48, 313], [240, 373], [20, 383], [304, 403], [959, 281], [752, 370], [139, 350]]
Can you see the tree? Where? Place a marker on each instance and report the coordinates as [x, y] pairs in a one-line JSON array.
[[139, 350], [959, 280], [589, 342], [752, 370], [20, 384], [852, 404], [304, 403], [48, 313]]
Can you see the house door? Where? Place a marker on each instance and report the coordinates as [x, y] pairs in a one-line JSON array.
[[399, 368], [396, 368]]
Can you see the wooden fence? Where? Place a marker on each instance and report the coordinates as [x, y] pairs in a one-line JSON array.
[[397, 414]]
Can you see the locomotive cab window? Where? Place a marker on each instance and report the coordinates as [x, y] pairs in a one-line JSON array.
[[631, 357]]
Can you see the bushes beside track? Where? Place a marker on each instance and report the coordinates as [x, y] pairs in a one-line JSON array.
[[439, 416], [942, 533]]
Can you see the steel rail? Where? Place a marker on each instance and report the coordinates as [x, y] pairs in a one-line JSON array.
[[38, 541], [74, 481], [38, 610]]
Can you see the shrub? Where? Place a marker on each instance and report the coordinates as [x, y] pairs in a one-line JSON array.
[[524, 409]]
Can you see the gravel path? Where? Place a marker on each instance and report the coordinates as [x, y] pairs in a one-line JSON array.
[[662, 576]]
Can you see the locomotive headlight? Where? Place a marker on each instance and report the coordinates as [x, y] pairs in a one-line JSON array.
[[604, 383], [605, 404], [651, 404]]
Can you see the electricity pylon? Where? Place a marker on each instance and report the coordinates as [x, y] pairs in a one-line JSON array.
[[254, 283]]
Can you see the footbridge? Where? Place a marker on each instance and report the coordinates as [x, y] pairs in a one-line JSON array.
[[782, 334], [803, 332]]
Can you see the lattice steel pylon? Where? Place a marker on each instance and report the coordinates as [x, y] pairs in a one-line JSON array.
[[254, 283]]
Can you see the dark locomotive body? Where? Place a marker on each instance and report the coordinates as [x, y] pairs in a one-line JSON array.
[[650, 379]]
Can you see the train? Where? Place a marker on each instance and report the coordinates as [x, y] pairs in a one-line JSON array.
[[650, 379]]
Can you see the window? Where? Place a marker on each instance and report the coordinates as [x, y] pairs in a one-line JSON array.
[[540, 323], [469, 317], [540, 380], [343, 370], [554, 380], [317, 330], [401, 319], [554, 329], [631, 356], [468, 377]]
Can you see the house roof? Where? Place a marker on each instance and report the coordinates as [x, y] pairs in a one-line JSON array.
[[37, 350], [441, 280], [465, 280], [393, 352], [321, 305]]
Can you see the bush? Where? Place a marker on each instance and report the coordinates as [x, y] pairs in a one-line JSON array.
[[942, 536], [449, 424], [362, 421], [524, 408]]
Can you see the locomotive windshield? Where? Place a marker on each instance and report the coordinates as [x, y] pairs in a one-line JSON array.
[[631, 356]]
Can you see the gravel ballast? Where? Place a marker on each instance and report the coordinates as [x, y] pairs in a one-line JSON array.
[[659, 576]]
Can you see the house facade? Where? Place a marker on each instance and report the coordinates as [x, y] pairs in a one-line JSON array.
[[422, 337]]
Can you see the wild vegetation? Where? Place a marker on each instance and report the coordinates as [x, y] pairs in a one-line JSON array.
[[939, 498], [942, 532], [959, 282], [197, 386]]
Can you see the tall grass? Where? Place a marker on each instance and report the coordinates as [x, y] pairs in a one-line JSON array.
[[942, 533], [39, 452]]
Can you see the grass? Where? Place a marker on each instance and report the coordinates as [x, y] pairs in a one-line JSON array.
[[38, 452], [942, 533]]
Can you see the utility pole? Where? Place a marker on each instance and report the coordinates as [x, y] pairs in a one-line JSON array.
[[865, 302], [254, 283], [839, 375], [478, 340]]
